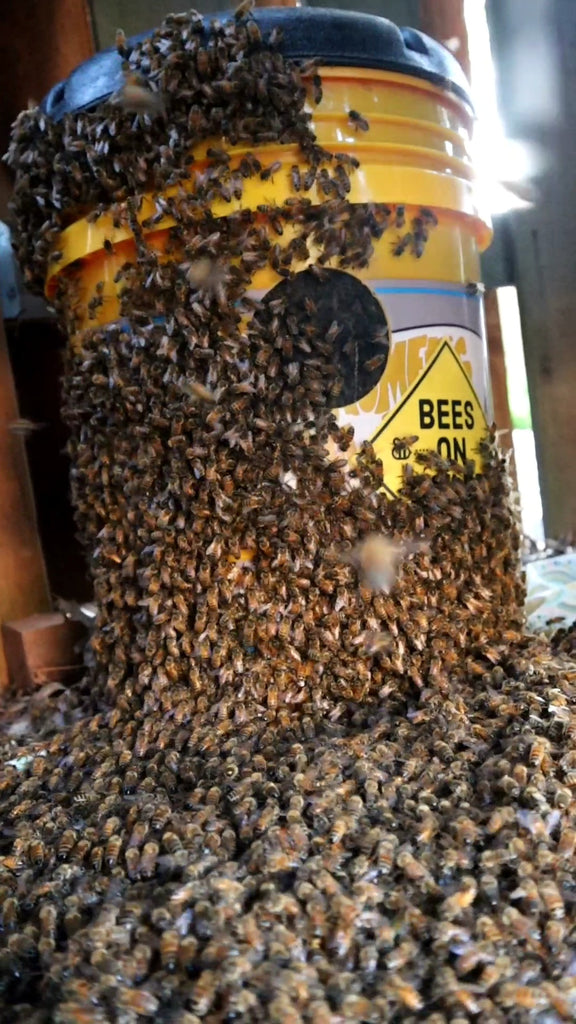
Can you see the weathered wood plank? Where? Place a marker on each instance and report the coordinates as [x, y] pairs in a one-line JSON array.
[[23, 583]]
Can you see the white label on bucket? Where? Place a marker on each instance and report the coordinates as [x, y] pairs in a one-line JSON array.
[[434, 391]]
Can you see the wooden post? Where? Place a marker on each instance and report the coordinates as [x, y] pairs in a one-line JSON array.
[[502, 416], [23, 583]]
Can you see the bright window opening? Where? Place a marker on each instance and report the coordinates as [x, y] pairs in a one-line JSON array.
[[497, 159], [519, 401]]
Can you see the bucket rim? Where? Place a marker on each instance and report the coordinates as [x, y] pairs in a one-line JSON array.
[[337, 38]]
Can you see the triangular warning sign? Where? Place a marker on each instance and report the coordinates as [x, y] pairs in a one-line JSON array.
[[440, 411]]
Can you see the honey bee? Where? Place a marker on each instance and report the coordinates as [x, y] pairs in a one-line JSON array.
[[66, 844], [555, 934], [204, 992], [402, 244], [405, 993], [268, 172], [148, 859], [96, 857], [567, 843], [499, 818], [399, 217], [552, 899], [525, 996], [429, 216], [37, 852], [539, 752], [296, 178], [169, 947], [357, 121], [317, 89], [138, 1000], [110, 826], [121, 43], [452, 906], [112, 850], [48, 917]]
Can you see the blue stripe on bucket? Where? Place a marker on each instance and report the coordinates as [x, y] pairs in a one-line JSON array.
[[459, 293]]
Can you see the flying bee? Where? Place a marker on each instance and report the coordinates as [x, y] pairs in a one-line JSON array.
[[357, 121], [373, 641], [198, 391], [135, 97], [378, 558], [24, 428]]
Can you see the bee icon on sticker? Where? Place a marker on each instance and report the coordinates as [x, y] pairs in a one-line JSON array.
[[402, 447]]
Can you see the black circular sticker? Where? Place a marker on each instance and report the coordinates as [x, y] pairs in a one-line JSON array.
[[337, 304]]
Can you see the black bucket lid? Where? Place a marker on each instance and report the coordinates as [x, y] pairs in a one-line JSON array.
[[337, 38]]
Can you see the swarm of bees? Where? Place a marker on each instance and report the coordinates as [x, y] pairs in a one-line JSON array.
[[304, 788]]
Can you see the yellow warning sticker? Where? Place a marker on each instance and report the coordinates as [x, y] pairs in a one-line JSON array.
[[440, 412]]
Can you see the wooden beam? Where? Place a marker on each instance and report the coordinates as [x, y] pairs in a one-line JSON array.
[[444, 20]]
